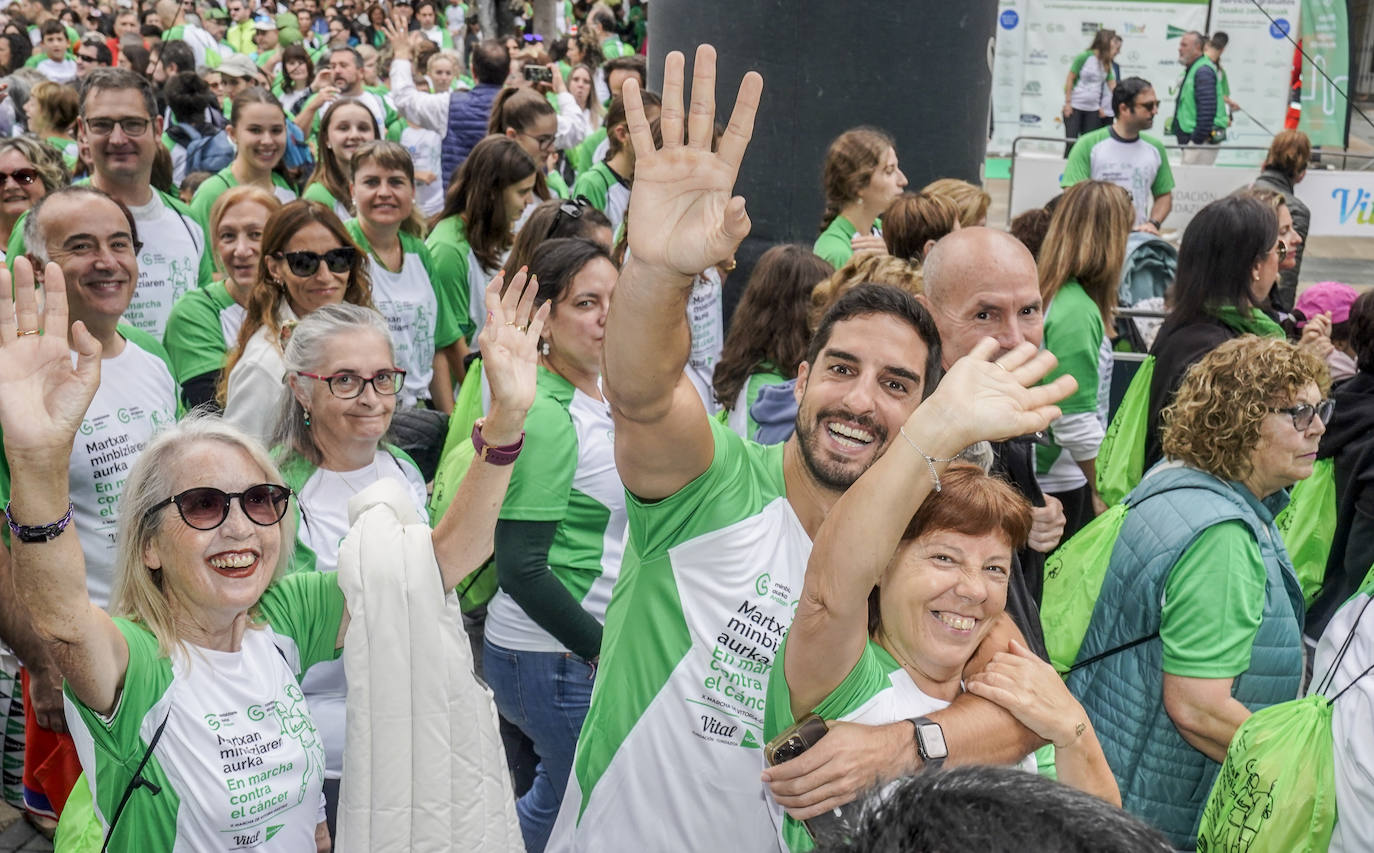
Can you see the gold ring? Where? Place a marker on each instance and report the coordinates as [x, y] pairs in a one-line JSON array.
[[510, 322], [1001, 365], [29, 332], [523, 329]]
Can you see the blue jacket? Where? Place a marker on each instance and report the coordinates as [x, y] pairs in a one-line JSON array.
[[1163, 779], [468, 113]]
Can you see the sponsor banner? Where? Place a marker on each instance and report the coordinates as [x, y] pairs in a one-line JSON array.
[[1326, 39], [1342, 203], [1259, 67], [1008, 70], [1048, 34]]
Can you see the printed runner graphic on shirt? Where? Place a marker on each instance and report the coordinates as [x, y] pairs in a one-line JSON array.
[[162, 279], [259, 787]]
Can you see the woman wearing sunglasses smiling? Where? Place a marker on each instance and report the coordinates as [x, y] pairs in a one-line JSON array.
[[29, 170], [191, 723], [308, 261]]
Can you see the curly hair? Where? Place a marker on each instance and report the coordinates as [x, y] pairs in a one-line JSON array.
[[1214, 422], [860, 269]]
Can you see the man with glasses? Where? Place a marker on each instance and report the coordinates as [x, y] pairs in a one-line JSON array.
[[120, 126], [91, 55], [1123, 155], [94, 239]]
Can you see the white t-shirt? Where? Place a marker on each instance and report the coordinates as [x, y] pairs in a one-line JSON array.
[[425, 147], [324, 504], [705, 318], [168, 266], [1090, 91], [407, 300], [1351, 720], [57, 72], [136, 397]]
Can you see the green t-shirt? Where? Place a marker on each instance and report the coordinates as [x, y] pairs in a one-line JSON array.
[[449, 256], [1213, 604], [834, 246], [1075, 333], [215, 185], [418, 310], [708, 586], [1140, 166], [202, 328], [582, 155], [320, 193], [239, 762], [606, 190], [569, 478]]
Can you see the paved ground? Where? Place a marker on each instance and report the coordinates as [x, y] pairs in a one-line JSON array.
[[17, 835]]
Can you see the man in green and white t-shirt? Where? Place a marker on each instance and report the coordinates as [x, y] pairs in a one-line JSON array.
[[1122, 154], [719, 532]]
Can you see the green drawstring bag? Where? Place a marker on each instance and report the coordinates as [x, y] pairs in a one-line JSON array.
[[1073, 580], [1308, 524], [1276, 792], [79, 830], [1121, 458], [477, 588]]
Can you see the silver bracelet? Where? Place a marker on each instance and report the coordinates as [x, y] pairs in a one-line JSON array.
[[930, 460]]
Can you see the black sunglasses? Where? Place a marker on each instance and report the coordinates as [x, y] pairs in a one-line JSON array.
[[22, 177], [571, 209], [206, 508], [338, 260], [1303, 413]]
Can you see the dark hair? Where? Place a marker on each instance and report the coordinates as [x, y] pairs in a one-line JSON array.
[[868, 299], [296, 52], [995, 809], [252, 95], [1219, 40], [518, 109], [102, 51], [769, 324], [392, 156], [138, 57], [52, 27], [1361, 325], [177, 52], [490, 62], [188, 96], [357, 57], [615, 114], [116, 79], [21, 48], [557, 262], [494, 164], [1219, 248], [634, 62], [604, 19], [915, 219], [1126, 91], [1030, 227], [547, 222], [330, 169]]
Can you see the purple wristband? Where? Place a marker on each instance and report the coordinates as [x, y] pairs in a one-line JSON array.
[[40, 532]]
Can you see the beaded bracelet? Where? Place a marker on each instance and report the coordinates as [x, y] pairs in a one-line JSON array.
[[39, 532], [930, 460]]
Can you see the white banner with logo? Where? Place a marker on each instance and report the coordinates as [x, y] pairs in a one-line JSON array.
[[1046, 35], [1259, 67], [1342, 203]]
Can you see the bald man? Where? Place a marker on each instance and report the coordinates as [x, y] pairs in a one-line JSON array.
[[982, 283]]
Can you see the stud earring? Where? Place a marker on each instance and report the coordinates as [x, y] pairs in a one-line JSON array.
[[307, 417], [544, 348]]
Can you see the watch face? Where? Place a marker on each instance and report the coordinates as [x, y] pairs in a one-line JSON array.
[[933, 741]]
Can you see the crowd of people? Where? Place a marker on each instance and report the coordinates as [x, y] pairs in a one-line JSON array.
[[732, 582]]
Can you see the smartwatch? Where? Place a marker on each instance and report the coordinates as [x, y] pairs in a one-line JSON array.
[[930, 742]]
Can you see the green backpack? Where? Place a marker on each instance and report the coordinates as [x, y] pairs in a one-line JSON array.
[[1121, 458], [1276, 792], [1073, 579], [1308, 524], [477, 588]]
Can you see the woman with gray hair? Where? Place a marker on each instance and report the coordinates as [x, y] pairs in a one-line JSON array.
[[185, 703], [342, 391], [29, 170]]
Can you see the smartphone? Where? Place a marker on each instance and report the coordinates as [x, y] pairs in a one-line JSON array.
[[796, 739], [538, 74]]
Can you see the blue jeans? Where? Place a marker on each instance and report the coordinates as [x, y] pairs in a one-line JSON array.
[[546, 694]]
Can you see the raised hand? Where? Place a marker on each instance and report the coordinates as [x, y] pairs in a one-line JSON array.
[[510, 356], [396, 34], [43, 397], [683, 217], [985, 400]]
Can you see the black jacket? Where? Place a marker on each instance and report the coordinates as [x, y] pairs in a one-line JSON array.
[[1349, 440], [1177, 347], [1015, 461]]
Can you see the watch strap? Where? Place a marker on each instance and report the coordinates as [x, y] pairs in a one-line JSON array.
[[493, 454], [927, 758]]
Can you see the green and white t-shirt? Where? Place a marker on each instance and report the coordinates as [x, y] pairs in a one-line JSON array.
[[739, 419], [607, 191], [239, 763], [707, 324], [319, 192], [420, 316], [566, 474], [1075, 333], [672, 747], [460, 275], [876, 692], [1090, 92], [215, 185], [321, 523], [137, 396], [1140, 166], [202, 328]]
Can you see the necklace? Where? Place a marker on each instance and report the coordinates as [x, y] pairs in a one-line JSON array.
[[368, 476]]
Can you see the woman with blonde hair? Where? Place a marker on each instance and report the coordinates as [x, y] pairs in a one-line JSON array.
[[1198, 623], [972, 201], [52, 110], [861, 179], [861, 269], [204, 324], [35, 170], [1080, 270], [308, 260]]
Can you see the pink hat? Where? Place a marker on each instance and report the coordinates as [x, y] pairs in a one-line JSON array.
[[1327, 296]]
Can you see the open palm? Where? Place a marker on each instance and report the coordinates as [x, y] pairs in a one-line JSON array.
[[43, 396], [683, 217], [508, 342]]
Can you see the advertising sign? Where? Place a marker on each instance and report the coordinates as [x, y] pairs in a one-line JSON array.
[[1259, 66], [1326, 39]]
